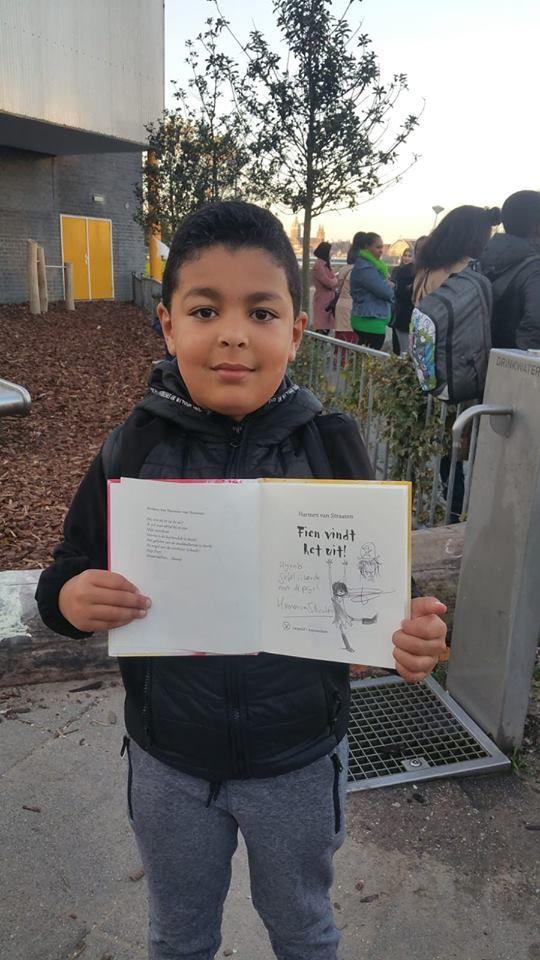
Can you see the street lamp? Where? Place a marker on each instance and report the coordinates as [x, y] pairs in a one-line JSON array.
[[436, 210]]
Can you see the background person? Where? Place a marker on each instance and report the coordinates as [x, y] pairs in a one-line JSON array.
[[460, 237], [403, 278], [325, 283], [516, 282], [405, 259], [372, 293], [344, 304]]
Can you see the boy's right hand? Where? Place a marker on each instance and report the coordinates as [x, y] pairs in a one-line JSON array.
[[101, 600]]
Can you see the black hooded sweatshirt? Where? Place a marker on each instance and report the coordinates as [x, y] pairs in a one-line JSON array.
[[516, 291], [216, 717]]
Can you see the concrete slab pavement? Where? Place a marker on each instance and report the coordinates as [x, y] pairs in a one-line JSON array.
[[449, 876]]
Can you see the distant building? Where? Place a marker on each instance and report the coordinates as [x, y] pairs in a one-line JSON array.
[[78, 83], [295, 236]]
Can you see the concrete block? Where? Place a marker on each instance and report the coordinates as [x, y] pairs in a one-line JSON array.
[[29, 651], [436, 561]]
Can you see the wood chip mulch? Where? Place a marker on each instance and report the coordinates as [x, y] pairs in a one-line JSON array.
[[85, 370]]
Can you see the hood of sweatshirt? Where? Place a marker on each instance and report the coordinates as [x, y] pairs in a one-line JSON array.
[[167, 397], [505, 251]]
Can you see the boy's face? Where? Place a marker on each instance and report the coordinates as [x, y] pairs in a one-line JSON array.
[[232, 328]]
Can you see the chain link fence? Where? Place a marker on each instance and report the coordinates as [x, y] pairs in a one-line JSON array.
[[408, 435]]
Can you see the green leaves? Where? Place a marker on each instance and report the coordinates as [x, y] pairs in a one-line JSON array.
[[307, 126], [202, 148], [387, 394]]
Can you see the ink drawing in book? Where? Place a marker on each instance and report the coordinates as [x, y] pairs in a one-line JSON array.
[[313, 569]]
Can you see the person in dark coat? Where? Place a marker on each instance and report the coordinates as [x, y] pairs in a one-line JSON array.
[[221, 744], [511, 260], [402, 277]]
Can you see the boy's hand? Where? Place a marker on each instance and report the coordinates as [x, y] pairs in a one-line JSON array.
[[421, 640], [101, 600]]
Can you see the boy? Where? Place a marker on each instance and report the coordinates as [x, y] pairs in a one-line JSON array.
[[221, 743]]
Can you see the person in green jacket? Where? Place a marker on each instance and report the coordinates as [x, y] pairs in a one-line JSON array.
[[372, 293]]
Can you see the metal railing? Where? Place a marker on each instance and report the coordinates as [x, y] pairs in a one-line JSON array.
[[15, 401], [343, 376]]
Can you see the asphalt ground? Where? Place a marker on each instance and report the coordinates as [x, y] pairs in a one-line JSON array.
[[444, 872]]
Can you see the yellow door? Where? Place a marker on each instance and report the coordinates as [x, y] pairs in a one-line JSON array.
[[75, 252], [99, 253]]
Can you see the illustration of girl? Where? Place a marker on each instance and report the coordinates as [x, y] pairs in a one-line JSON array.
[[340, 592]]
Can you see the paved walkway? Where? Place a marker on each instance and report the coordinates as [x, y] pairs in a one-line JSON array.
[[449, 878]]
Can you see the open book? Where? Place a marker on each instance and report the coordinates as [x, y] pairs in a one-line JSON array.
[[305, 568]]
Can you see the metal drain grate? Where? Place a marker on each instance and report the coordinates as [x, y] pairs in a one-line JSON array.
[[400, 732]]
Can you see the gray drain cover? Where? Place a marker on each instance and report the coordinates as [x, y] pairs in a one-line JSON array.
[[402, 732]]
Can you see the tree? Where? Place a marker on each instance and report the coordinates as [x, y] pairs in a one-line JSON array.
[[199, 151], [320, 116]]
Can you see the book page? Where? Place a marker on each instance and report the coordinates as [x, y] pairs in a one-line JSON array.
[[335, 569], [193, 548]]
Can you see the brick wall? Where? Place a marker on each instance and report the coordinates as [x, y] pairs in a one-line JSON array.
[[35, 190]]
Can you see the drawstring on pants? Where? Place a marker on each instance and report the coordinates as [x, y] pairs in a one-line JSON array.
[[338, 767], [125, 749], [213, 792]]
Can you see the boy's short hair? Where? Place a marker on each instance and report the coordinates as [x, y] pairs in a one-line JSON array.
[[521, 213], [234, 224]]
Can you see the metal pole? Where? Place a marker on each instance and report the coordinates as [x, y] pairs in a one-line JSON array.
[[369, 409], [435, 467], [472, 455], [451, 483], [15, 401]]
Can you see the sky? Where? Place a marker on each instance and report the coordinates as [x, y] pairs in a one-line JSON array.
[[471, 65]]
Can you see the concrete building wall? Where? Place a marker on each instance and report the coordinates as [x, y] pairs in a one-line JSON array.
[[95, 66], [35, 190]]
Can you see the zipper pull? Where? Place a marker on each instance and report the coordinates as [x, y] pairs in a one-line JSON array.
[[236, 439], [125, 746]]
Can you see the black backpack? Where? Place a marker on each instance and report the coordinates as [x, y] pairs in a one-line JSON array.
[[450, 337]]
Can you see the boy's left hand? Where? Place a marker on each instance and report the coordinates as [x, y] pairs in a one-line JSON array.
[[421, 639]]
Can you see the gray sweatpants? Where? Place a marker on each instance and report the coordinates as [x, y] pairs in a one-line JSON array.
[[292, 825]]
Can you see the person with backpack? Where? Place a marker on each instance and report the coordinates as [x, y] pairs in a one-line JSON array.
[[511, 260], [459, 239], [451, 323], [372, 293], [450, 332], [221, 744]]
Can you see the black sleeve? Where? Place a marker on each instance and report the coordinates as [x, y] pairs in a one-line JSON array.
[[528, 328], [345, 447], [84, 547], [404, 282]]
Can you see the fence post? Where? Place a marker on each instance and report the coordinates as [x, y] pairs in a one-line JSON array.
[[495, 633], [68, 284], [42, 280], [32, 276]]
